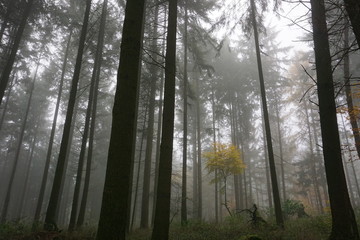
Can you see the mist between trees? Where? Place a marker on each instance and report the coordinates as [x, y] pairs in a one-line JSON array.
[[126, 115]]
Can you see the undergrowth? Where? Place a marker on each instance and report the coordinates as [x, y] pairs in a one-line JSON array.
[[234, 228]]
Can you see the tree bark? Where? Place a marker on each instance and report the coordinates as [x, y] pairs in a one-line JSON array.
[[275, 188], [162, 211], [10, 62], [343, 219], [115, 207], [50, 221]]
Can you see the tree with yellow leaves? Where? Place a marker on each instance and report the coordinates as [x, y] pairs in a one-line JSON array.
[[226, 160]]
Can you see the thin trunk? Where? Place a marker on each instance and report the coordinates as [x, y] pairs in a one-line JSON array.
[[51, 139], [162, 211], [138, 172], [277, 112], [312, 160], [50, 221], [115, 209], [185, 126], [10, 62], [145, 204], [96, 74], [18, 150], [7, 97], [214, 142], [158, 133], [199, 165], [343, 219], [275, 188]]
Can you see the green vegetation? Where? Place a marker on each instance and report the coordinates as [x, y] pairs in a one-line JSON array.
[[233, 228]]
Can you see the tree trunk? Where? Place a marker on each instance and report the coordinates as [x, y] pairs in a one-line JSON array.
[[50, 221], [115, 207], [18, 150], [162, 211], [214, 142], [353, 11], [10, 62], [144, 223], [96, 73], [185, 125], [275, 188], [199, 165], [343, 219], [51, 139]]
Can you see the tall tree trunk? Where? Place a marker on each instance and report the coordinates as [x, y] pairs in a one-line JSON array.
[[51, 139], [214, 142], [144, 223], [7, 97], [138, 170], [115, 207], [10, 62], [159, 125], [277, 112], [343, 219], [96, 74], [18, 150], [199, 159], [353, 11], [185, 125], [162, 211], [275, 188], [50, 221]]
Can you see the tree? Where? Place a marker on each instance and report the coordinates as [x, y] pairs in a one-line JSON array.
[[115, 204], [353, 10], [274, 184], [162, 210], [50, 222], [10, 62], [225, 159], [343, 219]]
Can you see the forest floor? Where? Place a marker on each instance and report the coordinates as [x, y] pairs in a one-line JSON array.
[[310, 228]]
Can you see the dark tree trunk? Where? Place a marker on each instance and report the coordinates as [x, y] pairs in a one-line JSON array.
[[115, 207], [275, 188], [214, 142], [18, 150], [353, 10], [10, 62], [96, 75], [343, 219], [162, 211], [51, 139], [185, 125], [50, 221]]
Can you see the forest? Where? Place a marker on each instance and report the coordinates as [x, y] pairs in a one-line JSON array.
[[179, 119]]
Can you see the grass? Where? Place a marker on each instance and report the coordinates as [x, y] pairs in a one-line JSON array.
[[312, 228]]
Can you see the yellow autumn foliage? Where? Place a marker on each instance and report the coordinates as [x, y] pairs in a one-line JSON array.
[[225, 158]]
